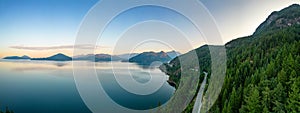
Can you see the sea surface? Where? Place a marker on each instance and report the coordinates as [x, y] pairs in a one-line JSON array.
[[50, 87]]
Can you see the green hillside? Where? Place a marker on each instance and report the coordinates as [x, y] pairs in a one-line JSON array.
[[262, 72]]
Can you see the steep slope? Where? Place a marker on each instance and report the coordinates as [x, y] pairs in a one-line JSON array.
[[173, 54], [262, 69], [280, 19]]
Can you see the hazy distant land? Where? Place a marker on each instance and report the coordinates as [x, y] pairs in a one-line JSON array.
[[144, 58]]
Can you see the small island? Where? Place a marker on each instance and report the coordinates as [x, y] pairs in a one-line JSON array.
[[57, 57], [17, 57]]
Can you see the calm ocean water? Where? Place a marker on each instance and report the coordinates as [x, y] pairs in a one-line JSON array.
[[49, 87]]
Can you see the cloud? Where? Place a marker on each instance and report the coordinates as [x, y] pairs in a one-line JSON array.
[[83, 46]]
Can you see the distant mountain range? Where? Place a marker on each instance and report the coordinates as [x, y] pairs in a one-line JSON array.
[[146, 58], [97, 57], [57, 57], [88, 57], [127, 55], [173, 54], [17, 57]]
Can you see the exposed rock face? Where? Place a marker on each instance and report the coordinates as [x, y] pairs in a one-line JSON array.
[[281, 19]]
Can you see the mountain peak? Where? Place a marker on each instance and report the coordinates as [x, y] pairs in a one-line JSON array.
[[294, 5], [59, 55], [146, 58], [286, 17], [56, 57], [25, 57]]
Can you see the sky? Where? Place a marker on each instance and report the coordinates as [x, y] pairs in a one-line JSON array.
[[41, 28]]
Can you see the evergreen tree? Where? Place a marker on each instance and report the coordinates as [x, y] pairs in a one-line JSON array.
[[252, 103], [282, 77], [226, 108], [233, 101], [294, 97], [266, 100], [279, 99]]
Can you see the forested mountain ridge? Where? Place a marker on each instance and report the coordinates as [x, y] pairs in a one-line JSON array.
[[262, 72], [263, 69], [146, 58], [282, 19]]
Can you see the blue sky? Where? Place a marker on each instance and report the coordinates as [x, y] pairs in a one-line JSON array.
[[31, 22], [40, 22], [54, 23]]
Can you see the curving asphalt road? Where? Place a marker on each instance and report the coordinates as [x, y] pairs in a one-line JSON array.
[[198, 103]]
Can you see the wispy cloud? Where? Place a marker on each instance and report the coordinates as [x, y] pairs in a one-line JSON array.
[[83, 46]]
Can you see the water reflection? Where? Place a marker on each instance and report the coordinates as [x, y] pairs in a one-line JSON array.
[[60, 64], [36, 66], [39, 87], [22, 69], [48, 86]]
